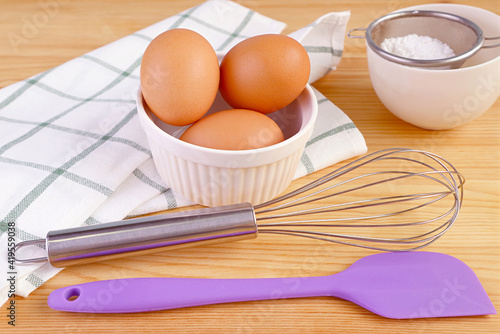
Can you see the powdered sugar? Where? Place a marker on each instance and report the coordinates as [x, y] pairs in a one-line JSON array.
[[417, 47]]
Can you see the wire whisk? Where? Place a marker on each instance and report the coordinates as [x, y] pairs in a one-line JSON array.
[[390, 200]]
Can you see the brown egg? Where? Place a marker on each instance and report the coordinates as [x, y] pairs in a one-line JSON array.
[[179, 76], [235, 129], [264, 73]]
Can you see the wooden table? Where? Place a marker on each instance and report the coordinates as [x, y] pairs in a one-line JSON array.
[[79, 26]]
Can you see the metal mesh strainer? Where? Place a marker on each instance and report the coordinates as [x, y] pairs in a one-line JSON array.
[[462, 35]]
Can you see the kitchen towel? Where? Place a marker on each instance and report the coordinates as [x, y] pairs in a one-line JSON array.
[[72, 151]]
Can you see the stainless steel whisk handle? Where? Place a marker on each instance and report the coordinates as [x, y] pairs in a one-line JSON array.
[[146, 235]]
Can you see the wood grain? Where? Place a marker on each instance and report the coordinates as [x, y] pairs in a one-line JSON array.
[[79, 26]]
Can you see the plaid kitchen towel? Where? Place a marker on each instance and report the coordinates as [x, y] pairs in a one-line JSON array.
[[72, 151]]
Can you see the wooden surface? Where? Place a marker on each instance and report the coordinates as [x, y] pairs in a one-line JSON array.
[[79, 26]]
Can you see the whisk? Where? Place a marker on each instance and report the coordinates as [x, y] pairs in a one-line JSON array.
[[390, 200]]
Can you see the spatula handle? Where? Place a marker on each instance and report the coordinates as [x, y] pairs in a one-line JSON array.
[[152, 294]]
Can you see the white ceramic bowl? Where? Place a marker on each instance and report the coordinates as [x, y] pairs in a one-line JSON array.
[[441, 99], [214, 177]]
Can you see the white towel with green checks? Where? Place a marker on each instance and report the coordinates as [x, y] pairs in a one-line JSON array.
[[72, 151]]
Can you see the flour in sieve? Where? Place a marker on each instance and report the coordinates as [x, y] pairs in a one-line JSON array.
[[417, 47]]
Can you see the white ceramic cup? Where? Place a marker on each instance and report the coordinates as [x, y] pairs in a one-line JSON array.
[[215, 177], [441, 99]]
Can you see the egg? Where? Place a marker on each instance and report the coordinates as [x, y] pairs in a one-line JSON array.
[[234, 129], [264, 73], [179, 76]]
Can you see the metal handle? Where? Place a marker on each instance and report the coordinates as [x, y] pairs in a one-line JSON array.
[[28, 243], [350, 33], [492, 45], [149, 234]]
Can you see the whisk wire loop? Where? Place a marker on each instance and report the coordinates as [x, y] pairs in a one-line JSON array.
[[310, 211], [303, 200], [410, 220]]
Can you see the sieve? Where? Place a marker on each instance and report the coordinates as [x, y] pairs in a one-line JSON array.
[[462, 35]]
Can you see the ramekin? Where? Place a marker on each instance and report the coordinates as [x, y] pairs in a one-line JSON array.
[[213, 177]]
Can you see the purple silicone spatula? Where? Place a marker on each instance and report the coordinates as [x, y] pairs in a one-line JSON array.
[[394, 285]]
